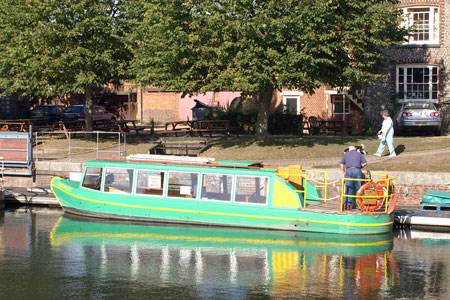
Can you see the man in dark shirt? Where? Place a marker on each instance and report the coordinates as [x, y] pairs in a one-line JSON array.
[[351, 164]]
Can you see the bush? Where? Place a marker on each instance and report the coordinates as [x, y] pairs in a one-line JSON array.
[[369, 131], [280, 123], [245, 120]]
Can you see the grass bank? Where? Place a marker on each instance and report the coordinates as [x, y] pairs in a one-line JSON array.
[[413, 152]]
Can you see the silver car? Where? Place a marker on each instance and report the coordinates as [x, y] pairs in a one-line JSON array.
[[417, 116]]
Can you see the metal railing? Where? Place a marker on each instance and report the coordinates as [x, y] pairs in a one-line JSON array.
[[95, 144], [382, 184], [383, 187]]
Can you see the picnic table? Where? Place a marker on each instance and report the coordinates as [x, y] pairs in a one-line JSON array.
[[200, 127], [176, 127], [121, 126], [71, 126], [215, 126], [127, 126], [23, 125], [14, 125], [333, 127]]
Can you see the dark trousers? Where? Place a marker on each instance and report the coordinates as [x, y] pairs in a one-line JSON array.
[[355, 173]]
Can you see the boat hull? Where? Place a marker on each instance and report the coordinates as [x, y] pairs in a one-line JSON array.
[[126, 207]]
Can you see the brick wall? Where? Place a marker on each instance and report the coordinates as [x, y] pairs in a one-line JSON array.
[[416, 191], [160, 106], [315, 104]]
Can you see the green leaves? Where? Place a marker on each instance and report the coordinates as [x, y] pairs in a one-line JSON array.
[[195, 46], [55, 47]]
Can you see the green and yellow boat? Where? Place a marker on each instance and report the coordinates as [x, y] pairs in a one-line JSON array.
[[225, 193]]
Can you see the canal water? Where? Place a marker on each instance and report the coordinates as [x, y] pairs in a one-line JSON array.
[[45, 254]]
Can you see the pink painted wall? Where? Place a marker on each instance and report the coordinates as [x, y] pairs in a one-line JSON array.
[[222, 99]]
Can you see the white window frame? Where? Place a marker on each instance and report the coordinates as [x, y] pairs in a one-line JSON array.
[[102, 178], [251, 203], [292, 94], [184, 198], [150, 195], [346, 104], [118, 193], [433, 23], [404, 83], [213, 200]]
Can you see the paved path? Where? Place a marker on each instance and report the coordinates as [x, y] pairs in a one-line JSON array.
[[330, 161]]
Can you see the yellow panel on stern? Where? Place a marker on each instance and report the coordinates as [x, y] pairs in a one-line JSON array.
[[283, 196]]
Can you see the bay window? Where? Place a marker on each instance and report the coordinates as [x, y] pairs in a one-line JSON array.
[[417, 83]]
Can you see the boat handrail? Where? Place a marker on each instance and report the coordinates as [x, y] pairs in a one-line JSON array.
[[157, 157], [323, 184], [210, 164]]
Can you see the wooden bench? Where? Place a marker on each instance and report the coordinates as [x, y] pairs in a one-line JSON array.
[[176, 132]]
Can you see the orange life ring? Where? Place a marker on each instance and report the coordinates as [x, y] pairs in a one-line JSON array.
[[378, 201]]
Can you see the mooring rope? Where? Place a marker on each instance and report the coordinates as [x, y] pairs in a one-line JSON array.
[[325, 199], [323, 182]]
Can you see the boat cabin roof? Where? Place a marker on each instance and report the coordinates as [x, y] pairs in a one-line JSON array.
[[176, 165]]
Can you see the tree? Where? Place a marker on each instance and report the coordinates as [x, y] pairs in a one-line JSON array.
[[259, 46], [53, 47]]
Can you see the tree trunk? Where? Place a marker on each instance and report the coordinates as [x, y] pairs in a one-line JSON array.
[[265, 98], [89, 118]]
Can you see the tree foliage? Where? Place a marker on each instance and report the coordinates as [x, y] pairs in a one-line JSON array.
[[52, 47], [258, 46]]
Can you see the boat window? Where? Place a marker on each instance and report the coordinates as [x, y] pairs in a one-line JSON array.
[[182, 185], [92, 178], [118, 180], [251, 189], [150, 182], [216, 187]]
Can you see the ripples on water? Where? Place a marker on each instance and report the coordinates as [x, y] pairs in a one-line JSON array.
[[45, 255]]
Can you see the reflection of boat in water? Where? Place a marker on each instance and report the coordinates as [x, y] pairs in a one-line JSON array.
[[224, 193], [212, 257], [87, 231]]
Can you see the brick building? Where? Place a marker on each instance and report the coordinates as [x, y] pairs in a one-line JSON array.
[[418, 70]]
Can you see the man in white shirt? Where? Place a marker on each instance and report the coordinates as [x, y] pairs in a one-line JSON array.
[[386, 135]]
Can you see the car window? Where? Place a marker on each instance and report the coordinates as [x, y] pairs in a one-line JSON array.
[[418, 105], [73, 109], [99, 109], [43, 108]]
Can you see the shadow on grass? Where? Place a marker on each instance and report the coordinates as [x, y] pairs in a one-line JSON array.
[[133, 139], [289, 141], [400, 149]]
